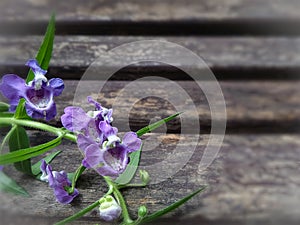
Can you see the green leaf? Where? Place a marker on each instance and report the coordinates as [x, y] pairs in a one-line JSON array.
[[5, 115], [156, 125], [36, 167], [28, 153], [70, 176], [21, 111], [171, 207], [6, 138], [19, 140], [4, 107], [45, 52], [76, 176], [131, 168], [79, 214], [9, 185]]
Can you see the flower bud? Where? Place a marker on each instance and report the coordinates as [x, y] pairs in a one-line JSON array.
[[109, 209], [142, 212], [144, 175]]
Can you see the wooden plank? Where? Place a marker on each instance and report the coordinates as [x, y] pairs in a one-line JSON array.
[[169, 17], [156, 10], [251, 107], [259, 107], [253, 180], [229, 58]]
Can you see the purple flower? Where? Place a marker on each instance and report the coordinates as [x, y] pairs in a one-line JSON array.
[[1, 168], [76, 120], [108, 159], [103, 150], [59, 182], [38, 93], [109, 209]]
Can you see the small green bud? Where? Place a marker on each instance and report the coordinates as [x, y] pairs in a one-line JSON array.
[[142, 212], [144, 176], [109, 209]]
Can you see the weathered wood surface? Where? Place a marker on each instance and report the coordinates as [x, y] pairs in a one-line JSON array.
[[259, 107], [254, 106], [156, 10], [254, 180], [156, 17], [235, 58]]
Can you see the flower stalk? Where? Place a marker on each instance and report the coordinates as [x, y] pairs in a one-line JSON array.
[[120, 199], [39, 126]]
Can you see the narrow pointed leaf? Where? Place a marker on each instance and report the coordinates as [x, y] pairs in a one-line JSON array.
[[28, 153], [6, 137], [36, 167], [9, 185], [21, 111], [131, 168], [45, 52], [4, 107], [5, 115], [19, 140], [171, 207], [79, 214], [156, 125], [75, 176]]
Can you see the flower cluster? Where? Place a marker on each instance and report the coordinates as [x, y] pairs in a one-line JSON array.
[[97, 139], [38, 93], [59, 182]]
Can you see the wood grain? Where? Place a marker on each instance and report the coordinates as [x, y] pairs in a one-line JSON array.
[[134, 10], [254, 179], [152, 17], [234, 58], [271, 107]]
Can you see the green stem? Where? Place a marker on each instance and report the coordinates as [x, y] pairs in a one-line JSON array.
[[37, 125], [120, 199], [79, 214], [7, 136]]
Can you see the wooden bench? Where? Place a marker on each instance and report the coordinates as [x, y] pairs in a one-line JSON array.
[[253, 48]]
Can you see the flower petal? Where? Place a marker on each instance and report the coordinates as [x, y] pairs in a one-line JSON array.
[[97, 104], [12, 87], [51, 112], [93, 156], [57, 85], [131, 141], [75, 119], [116, 158], [83, 142], [39, 74], [37, 113], [44, 176], [63, 197], [34, 65], [34, 112], [107, 171]]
